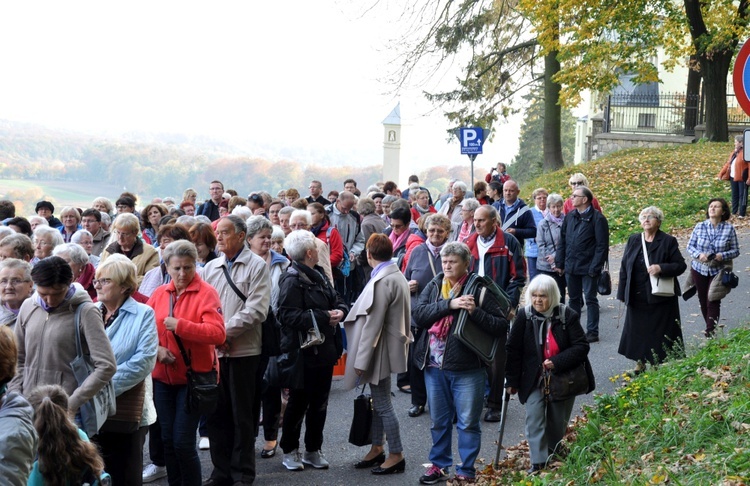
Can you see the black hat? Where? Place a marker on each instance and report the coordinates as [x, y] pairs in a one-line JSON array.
[[44, 204]]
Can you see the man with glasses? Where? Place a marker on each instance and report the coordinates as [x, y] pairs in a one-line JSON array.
[[577, 180], [91, 220], [316, 193], [210, 208], [581, 253]]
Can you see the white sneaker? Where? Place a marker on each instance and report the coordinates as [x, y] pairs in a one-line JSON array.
[[315, 459], [292, 461], [203, 444], [152, 472]]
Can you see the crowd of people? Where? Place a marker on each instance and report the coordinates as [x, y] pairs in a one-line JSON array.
[[260, 295]]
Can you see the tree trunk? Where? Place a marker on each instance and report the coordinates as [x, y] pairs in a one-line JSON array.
[[715, 70], [552, 143], [692, 97]]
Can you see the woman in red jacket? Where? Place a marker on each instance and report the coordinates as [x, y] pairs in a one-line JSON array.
[[736, 172], [188, 309], [321, 227]]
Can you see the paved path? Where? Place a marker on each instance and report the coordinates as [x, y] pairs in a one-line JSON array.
[[416, 431]]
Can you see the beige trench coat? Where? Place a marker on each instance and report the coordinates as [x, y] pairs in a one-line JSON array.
[[378, 329]]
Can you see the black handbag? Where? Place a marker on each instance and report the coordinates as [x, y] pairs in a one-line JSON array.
[[291, 370], [729, 279], [202, 388], [360, 433], [604, 285], [562, 386], [467, 331]]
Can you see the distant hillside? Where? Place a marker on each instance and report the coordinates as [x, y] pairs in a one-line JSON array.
[[71, 166]]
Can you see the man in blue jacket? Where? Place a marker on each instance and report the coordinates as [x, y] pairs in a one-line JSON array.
[[516, 217]]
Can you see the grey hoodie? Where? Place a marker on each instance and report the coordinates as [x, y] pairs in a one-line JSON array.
[[47, 345], [18, 440]]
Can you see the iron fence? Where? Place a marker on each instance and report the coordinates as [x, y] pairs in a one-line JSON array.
[[663, 114]]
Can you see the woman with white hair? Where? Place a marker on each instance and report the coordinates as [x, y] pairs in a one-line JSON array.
[[652, 323], [449, 208], [307, 301], [35, 221], [546, 337], [548, 239], [83, 270], [45, 240], [15, 288], [463, 230], [86, 240]]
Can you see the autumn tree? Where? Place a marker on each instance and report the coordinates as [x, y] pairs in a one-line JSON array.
[[503, 63], [598, 40], [528, 163]]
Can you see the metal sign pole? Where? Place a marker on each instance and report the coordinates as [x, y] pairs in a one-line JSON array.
[[472, 157]]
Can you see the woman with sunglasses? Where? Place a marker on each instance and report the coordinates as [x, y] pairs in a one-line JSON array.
[[576, 180]]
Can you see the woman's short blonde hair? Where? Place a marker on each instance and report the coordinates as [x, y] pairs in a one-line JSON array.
[[70, 210], [127, 222], [120, 270]]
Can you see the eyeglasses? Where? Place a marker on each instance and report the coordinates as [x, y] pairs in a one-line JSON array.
[[299, 226], [646, 217], [122, 207], [577, 195], [126, 233], [101, 281], [576, 183], [14, 282]]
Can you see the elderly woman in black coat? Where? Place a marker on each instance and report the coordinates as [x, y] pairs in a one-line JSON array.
[[652, 323], [308, 300], [546, 337]]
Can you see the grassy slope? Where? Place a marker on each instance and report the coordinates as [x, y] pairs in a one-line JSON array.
[[678, 180], [685, 423]]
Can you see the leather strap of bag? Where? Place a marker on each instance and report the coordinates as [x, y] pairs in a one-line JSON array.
[[177, 338], [513, 218], [432, 264], [237, 291], [645, 252], [79, 347]]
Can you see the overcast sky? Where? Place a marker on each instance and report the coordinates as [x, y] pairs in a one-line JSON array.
[[291, 73]]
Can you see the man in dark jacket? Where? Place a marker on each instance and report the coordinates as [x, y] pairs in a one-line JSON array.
[[210, 207], [516, 217], [581, 254], [499, 256]]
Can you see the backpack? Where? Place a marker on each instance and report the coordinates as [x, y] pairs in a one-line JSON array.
[[345, 265]]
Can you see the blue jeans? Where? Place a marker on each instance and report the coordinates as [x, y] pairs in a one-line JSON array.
[[531, 264], [459, 394], [580, 286], [178, 430]]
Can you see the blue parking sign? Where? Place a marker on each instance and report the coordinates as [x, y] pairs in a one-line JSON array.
[[471, 139]]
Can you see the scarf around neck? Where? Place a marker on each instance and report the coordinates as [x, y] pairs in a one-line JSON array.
[[447, 291]]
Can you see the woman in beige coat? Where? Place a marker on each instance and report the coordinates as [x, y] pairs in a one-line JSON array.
[[378, 330]]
